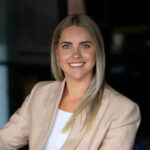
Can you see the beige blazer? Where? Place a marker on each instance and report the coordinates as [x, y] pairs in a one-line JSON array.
[[114, 128]]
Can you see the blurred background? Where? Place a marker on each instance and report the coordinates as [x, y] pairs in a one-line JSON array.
[[26, 28]]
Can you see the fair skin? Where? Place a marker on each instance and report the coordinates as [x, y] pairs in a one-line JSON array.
[[76, 55]]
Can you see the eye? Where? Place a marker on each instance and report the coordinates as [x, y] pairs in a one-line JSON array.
[[66, 46], [85, 46]]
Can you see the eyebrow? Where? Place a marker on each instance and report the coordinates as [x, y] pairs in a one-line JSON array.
[[83, 42], [86, 42], [65, 42]]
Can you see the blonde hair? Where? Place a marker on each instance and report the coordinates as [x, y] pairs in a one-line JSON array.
[[93, 96]]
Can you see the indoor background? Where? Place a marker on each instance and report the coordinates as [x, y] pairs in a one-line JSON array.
[[26, 28]]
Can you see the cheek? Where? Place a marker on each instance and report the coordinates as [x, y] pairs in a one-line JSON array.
[[62, 57], [91, 56], [92, 59]]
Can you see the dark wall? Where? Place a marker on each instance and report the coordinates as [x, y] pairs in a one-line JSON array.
[[127, 67]]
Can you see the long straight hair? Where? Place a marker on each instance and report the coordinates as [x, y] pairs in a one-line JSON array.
[[92, 98]]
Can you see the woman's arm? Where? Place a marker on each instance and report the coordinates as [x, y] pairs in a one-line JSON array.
[[14, 134], [122, 133]]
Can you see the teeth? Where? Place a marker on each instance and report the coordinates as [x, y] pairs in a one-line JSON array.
[[76, 64]]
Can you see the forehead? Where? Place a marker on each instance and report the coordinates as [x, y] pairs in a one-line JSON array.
[[73, 32]]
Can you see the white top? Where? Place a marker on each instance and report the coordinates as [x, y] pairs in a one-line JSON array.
[[56, 138]]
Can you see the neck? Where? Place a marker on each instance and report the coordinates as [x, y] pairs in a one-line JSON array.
[[75, 89]]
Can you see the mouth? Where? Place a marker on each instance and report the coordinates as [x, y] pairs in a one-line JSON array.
[[76, 64]]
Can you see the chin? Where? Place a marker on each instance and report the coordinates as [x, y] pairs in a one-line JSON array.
[[79, 77]]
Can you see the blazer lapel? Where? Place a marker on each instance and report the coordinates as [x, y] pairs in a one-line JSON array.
[[51, 112], [73, 141]]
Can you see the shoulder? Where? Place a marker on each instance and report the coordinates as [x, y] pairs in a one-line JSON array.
[[44, 91], [47, 83], [117, 98], [42, 85], [46, 87], [119, 103]]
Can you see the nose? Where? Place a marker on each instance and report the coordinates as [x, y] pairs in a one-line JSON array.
[[76, 53]]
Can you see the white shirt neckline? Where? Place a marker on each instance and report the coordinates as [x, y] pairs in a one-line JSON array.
[[56, 138]]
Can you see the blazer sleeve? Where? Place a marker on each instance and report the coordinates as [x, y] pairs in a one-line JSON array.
[[122, 132], [14, 134]]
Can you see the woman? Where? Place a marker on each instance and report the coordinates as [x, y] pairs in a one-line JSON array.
[[78, 110]]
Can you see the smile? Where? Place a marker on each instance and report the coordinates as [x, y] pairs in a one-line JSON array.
[[76, 64]]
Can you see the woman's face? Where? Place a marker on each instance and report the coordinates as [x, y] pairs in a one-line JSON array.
[[75, 53]]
